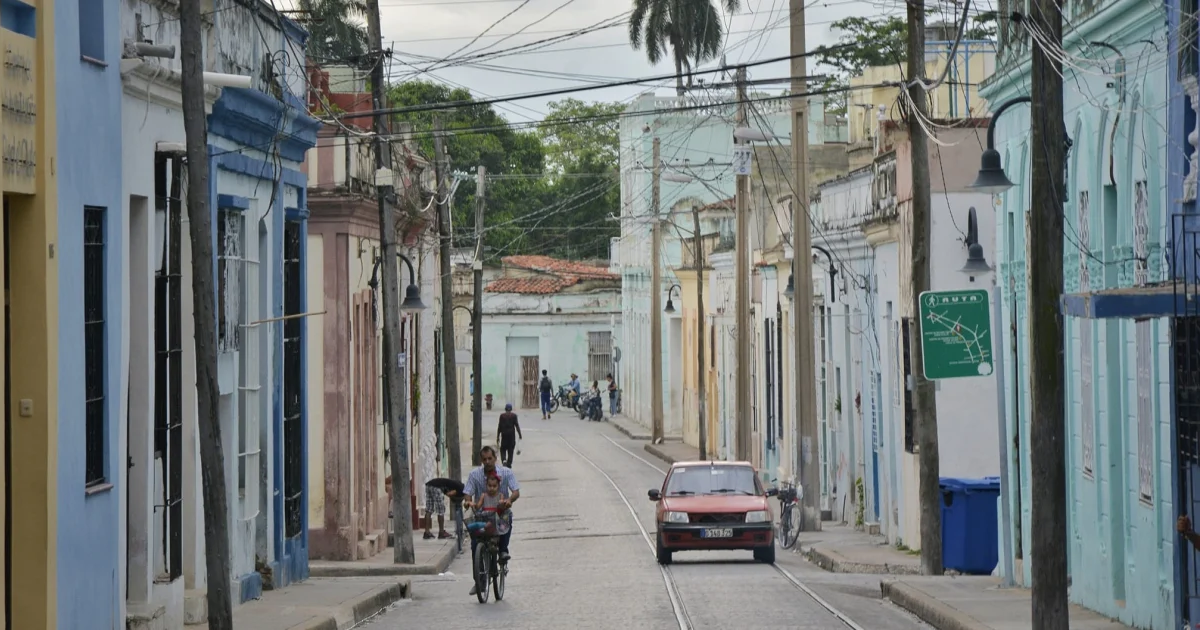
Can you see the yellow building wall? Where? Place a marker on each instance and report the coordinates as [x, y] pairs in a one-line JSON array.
[[690, 349], [864, 121], [30, 231]]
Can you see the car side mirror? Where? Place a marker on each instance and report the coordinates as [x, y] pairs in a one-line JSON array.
[[654, 495], [772, 492]]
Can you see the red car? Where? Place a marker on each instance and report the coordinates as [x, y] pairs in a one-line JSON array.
[[713, 506]]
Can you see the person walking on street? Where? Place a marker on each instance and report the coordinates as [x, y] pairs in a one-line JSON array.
[[612, 396], [507, 433], [545, 387]]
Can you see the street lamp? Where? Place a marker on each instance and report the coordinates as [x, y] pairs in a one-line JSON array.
[[975, 260], [790, 291], [992, 179], [412, 294], [670, 306], [470, 313], [832, 272]]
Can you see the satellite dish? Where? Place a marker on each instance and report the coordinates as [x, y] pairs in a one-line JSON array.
[[616, 354]]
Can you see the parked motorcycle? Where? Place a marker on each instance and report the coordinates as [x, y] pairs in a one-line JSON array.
[[591, 407], [564, 399]]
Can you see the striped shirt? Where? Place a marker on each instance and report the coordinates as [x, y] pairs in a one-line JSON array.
[[477, 482]]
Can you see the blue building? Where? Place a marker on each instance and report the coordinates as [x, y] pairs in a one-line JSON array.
[[92, 232], [1118, 333]]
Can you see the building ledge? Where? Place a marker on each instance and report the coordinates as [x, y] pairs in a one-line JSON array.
[[1146, 302]]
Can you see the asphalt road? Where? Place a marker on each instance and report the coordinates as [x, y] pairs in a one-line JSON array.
[[581, 559]]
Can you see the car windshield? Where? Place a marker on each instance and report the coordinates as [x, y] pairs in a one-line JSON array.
[[696, 480]]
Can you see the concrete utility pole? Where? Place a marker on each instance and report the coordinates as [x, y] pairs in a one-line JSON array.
[[656, 351], [1047, 429], [394, 388], [741, 251], [212, 458], [477, 320], [701, 339], [449, 358], [805, 361], [924, 397]]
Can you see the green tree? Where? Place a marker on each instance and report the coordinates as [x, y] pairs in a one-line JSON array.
[[334, 32], [478, 136], [575, 132], [691, 30]]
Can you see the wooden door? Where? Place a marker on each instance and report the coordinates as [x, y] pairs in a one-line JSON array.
[[529, 382]]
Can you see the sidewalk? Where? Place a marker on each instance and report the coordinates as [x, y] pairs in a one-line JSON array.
[[433, 556], [319, 604], [673, 451], [976, 603], [635, 431]]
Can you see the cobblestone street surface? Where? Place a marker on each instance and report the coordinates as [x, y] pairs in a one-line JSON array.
[[582, 559]]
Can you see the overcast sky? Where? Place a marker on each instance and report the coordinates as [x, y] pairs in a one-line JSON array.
[[435, 28]]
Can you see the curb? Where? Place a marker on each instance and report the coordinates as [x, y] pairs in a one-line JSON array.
[[933, 612], [359, 569], [362, 608], [835, 563], [629, 432], [657, 452]]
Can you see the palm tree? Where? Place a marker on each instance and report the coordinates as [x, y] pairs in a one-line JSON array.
[[691, 29], [335, 36]]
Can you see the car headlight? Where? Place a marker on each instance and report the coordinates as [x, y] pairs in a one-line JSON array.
[[676, 517], [760, 516]]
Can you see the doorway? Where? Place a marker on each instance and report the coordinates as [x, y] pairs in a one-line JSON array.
[[529, 382]]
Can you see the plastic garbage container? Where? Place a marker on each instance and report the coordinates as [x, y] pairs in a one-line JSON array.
[[969, 534]]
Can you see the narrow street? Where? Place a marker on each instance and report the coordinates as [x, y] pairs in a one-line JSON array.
[[583, 557]]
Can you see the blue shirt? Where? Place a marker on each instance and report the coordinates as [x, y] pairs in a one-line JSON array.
[[477, 482], [575, 385]]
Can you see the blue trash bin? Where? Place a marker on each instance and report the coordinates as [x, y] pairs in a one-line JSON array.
[[969, 535]]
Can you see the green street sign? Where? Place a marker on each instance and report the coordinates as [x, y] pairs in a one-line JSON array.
[[956, 334]]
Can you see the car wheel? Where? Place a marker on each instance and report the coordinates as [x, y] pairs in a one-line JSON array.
[[765, 555], [663, 554]]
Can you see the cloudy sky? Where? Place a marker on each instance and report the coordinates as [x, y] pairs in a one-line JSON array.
[[417, 29]]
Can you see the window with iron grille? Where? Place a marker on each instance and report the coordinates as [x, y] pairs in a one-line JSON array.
[[168, 358], [95, 373], [293, 447], [1141, 232], [229, 278], [910, 428], [779, 370], [769, 361], [249, 375], [599, 355], [1189, 65], [1145, 409], [1087, 413]]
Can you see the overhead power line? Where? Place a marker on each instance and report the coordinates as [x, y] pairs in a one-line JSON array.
[[570, 90]]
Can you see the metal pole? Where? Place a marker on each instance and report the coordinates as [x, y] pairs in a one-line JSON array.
[[477, 322], [929, 493], [701, 339], [744, 446], [807, 427], [1006, 555], [656, 402], [394, 389]]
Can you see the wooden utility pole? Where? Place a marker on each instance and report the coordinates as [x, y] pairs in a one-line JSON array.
[[741, 252], [212, 457], [449, 358], [394, 385], [928, 488], [701, 339], [1047, 429], [656, 381], [807, 428], [477, 319]]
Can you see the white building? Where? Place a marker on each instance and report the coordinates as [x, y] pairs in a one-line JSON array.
[[258, 137]]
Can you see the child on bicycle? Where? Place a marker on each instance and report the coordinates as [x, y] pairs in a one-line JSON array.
[[490, 500]]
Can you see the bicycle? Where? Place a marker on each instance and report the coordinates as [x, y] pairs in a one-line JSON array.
[[789, 514], [487, 565]]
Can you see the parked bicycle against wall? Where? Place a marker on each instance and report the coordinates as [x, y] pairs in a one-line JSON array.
[[789, 513]]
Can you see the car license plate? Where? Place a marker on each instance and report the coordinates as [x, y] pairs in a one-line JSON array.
[[722, 532]]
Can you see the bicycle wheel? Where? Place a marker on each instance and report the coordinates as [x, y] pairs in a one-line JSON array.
[[483, 560], [553, 405], [790, 526], [498, 573], [458, 527]]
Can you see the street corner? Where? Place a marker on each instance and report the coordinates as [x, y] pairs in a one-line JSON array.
[[928, 608]]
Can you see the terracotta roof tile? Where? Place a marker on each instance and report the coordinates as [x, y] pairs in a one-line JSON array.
[[554, 275], [540, 285], [559, 267]]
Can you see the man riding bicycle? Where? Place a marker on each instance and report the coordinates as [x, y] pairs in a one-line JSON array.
[[476, 486]]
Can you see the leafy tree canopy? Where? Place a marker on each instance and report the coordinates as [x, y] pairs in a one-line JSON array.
[[563, 213], [336, 33]]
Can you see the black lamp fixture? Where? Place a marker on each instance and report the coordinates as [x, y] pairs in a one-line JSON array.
[[975, 260], [670, 305], [412, 294], [790, 291], [991, 178]]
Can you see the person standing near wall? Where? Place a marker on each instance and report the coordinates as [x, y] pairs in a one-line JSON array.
[[545, 388]]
